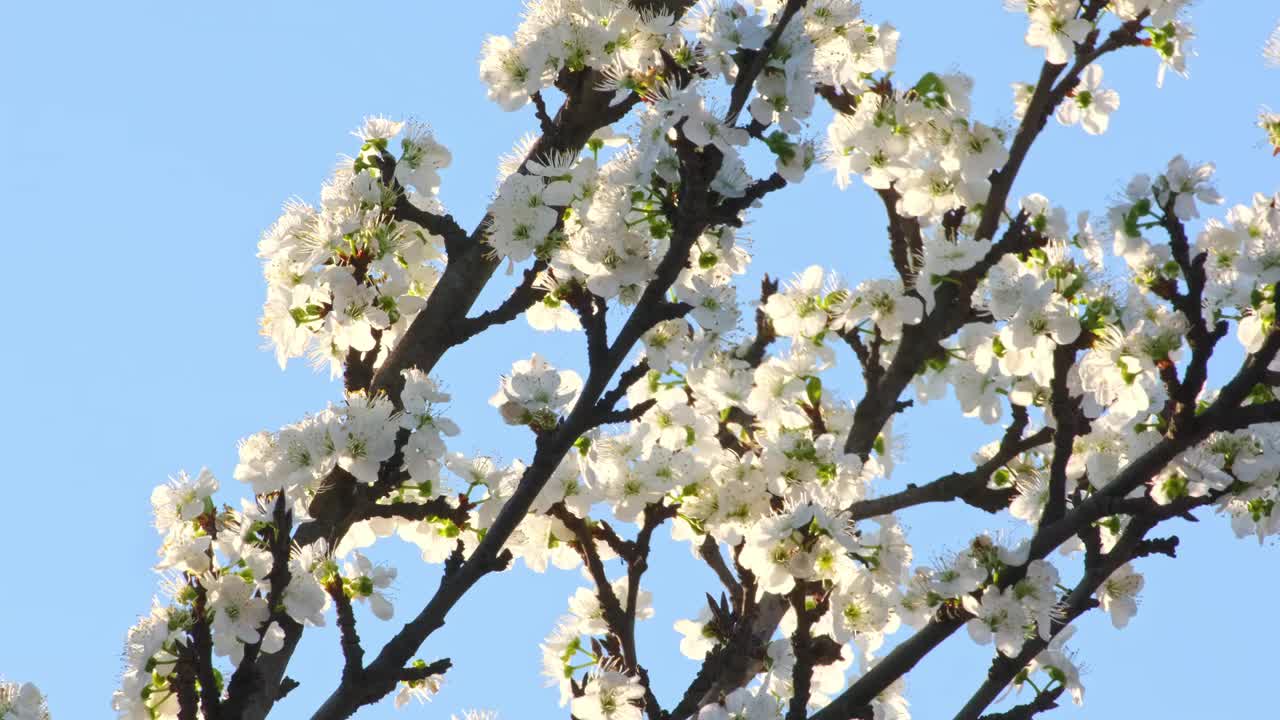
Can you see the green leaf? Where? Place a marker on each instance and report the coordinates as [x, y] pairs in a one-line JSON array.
[[813, 390], [779, 144], [932, 91]]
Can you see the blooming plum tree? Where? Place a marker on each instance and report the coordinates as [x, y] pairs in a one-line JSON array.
[[1089, 341]]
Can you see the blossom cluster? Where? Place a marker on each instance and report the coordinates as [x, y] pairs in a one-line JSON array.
[[737, 444], [348, 277], [220, 563], [217, 567], [778, 495], [22, 702], [573, 646], [1059, 25], [600, 223]]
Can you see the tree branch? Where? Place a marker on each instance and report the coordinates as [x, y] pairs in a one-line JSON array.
[[619, 617], [244, 682], [591, 310], [1042, 702], [629, 377], [889, 668], [697, 170], [905, 241], [756, 62], [802, 647], [1050, 536], [709, 551], [521, 299], [352, 652], [455, 238], [202, 656], [437, 507], [183, 683], [969, 486], [1077, 602], [429, 336], [1066, 418], [1249, 415], [1191, 304], [953, 304], [753, 352]]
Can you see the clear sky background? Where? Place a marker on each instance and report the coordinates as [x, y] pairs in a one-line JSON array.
[[148, 144]]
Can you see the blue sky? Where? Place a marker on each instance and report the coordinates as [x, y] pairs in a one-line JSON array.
[[149, 144]]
